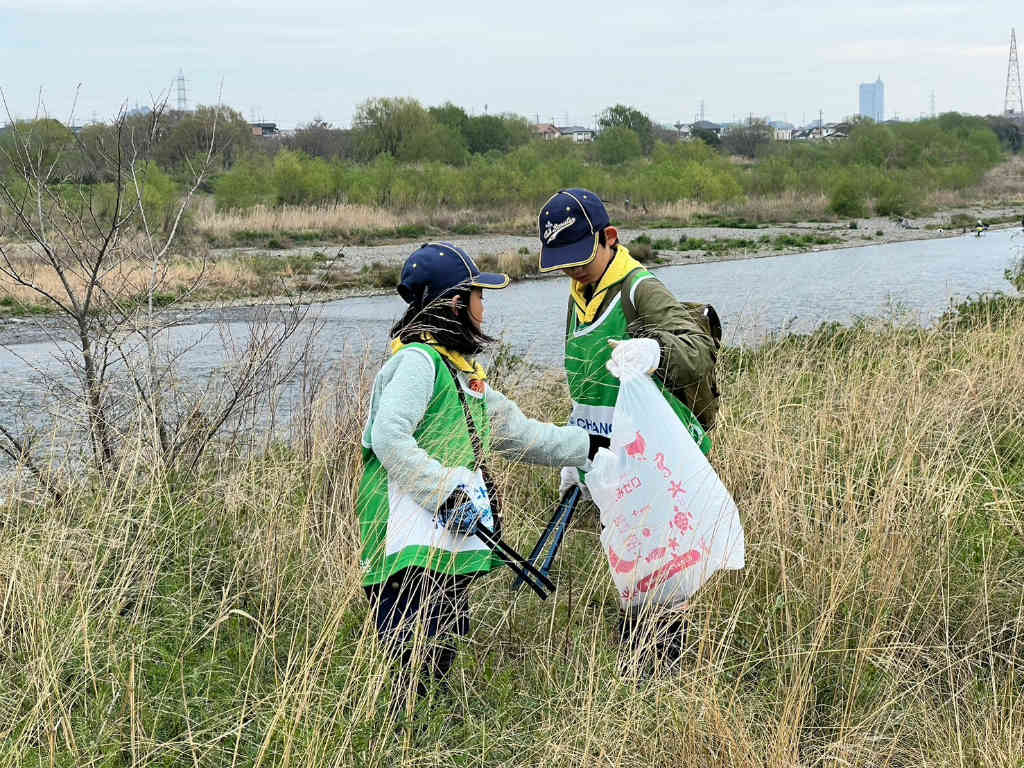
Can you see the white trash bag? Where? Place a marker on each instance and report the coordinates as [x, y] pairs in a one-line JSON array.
[[669, 523]]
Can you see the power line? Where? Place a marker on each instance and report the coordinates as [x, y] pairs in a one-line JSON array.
[[1014, 103], [182, 92]]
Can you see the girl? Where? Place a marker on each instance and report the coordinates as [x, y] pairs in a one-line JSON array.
[[433, 421]]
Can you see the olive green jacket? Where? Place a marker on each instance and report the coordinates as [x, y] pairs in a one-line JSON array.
[[688, 353]]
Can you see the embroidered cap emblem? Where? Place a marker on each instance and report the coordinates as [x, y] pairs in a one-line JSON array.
[[551, 230]]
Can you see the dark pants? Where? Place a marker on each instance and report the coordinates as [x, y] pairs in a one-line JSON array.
[[419, 614], [653, 636]]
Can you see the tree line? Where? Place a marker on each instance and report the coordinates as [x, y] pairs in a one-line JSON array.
[[398, 152]]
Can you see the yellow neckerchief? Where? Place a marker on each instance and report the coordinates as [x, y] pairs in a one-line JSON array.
[[621, 265], [472, 367]]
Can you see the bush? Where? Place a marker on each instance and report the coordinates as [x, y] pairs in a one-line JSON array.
[[246, 185], [616, 145], [640, 249], [898, 198], [848, 199]]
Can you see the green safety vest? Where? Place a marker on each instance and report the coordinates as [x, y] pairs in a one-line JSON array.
[[592, 387], [395, 531]]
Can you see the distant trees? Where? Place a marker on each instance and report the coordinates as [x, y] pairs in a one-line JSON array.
[[708, 136], [35, 143], [616, 145], [407, 131], [622, 116], [385, 125], [485, 133], [749, 139], [319, 138], [186, 136], [1008, 131], [400, 153]]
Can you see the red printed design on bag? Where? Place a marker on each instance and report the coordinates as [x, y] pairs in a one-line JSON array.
[[659, 462], [677, 564], [676, 488], [636, 448], [627, 487], [683, 520], [642, 512], [620, 565], [655, 554]]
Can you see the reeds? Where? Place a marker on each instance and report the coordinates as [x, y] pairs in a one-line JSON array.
[[219, 620]]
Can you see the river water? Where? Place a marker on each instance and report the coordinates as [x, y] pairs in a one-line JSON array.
[[754, 298]]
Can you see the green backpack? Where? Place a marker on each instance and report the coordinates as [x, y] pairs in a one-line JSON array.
[[702, 396]]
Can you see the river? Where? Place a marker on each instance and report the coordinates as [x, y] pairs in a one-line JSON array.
[[754, 298]]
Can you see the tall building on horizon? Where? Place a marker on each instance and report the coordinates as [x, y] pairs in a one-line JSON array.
[[872, 100]]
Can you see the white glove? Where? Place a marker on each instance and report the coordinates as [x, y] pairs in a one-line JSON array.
[[571, 476], [633, 357]]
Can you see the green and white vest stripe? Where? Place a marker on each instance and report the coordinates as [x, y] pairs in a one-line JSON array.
[[592, 387], [395, 531]]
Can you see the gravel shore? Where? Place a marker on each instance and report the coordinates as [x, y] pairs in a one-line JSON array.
[[870, 231]]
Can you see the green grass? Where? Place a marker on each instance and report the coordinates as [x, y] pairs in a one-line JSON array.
[[11, 307], [217, 619], [803, 241], [716, 245], [729, 222]]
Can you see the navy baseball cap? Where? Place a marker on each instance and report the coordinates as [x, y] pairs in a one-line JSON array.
[[569, 224], [434, 269]]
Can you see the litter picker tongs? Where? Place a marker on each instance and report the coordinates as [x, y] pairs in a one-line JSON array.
[[557, 526]]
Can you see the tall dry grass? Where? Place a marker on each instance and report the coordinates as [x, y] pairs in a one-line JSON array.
[[349, 219], [130, 279], [1003, 185], [787, 206], [880, 478]]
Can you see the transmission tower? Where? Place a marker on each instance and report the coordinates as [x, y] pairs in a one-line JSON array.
[[932, 100], [1014, 101], [182, 92]]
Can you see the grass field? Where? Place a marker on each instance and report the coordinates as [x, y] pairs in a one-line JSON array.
[[162, 620]]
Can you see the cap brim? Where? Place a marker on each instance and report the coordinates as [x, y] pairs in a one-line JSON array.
[[491, 280], [575, 255]]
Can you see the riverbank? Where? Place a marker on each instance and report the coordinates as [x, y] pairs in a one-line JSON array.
[[987, 257], [219, 617]]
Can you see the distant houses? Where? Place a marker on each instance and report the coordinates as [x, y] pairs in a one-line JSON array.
[[822, 132], [576, 133], [264, 129], [705, 127], [546, 131], [780, 131]]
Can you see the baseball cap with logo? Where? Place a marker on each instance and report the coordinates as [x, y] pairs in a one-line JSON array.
[[434, 269], [569, 224]]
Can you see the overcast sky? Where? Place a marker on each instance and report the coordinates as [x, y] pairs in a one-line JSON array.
[[290, 60]]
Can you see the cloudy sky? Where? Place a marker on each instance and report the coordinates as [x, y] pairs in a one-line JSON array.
[[290, 60]]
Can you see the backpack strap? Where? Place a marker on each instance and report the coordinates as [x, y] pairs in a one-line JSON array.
[[628, 299], [627, 292]]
